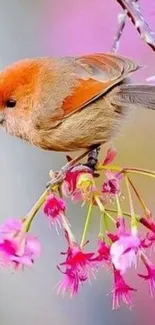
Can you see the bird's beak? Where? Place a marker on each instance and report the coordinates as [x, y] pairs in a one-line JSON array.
[[2, 118]]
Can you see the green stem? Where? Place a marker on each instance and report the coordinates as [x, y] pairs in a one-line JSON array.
[[67, 229], [32, 213], [141, 171], [65, 223], [102, 228], [102, 209], [130, 197], [107, 167], [99, 203], [115, 211], [134, 221], [145, 222], [104, 223], [144, 207], [86, 226], [119, 210], [110, 217]]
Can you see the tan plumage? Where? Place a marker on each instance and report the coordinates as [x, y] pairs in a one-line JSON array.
[[69, 103]]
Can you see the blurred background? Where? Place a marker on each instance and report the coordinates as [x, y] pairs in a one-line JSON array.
[[30, 28]]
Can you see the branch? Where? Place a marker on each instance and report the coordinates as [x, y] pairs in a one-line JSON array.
[[121, 20], [134, 13]]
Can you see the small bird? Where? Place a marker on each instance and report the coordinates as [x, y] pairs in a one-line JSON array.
[[70, 103]]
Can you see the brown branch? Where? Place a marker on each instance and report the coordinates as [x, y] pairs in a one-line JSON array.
[[134, 13], [121, 20], [57, 177]]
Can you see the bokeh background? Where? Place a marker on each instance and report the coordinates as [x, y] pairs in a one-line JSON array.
[[31, 28]]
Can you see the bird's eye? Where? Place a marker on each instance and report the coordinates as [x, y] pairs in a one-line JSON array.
[[10, 103]]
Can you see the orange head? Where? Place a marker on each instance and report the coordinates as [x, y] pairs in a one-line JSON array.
[[17, 87]]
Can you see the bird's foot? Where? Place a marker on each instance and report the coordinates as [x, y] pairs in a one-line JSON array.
[[58, 177], [93, 158]]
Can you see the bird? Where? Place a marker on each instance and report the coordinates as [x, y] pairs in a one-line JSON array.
[[70, 103]]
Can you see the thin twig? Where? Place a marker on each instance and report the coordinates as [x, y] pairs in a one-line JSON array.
[[121, 20], [135, 14], [121, 24], [87, 222], [144, 207], [60, 174], [122, 170]]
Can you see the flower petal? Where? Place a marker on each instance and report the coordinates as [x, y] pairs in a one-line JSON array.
[[110, 156]]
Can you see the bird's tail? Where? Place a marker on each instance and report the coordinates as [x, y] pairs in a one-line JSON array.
[[137, 94]]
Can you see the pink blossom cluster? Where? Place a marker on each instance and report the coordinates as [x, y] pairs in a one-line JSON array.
[[120, 244]]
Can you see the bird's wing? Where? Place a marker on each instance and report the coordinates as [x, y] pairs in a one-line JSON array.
[[96, 74]]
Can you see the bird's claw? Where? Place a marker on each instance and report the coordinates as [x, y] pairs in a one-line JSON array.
[[93, 158], [58, 176]]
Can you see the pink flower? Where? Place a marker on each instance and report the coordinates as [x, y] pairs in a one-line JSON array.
[[111, 185], [53, 208], [71, 282], [70, 186], [103, 252], [149, 224], [76, 269], [77, 259], [147, 241], [86, 185], [120, 224], [121, 291], [17, 248], [27, 251], [110, 156], [150, 277], [150, 238], [124, 252], [11, 226], [112, 237]]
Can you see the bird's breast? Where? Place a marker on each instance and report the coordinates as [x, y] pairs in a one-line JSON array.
[[96, 123]]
